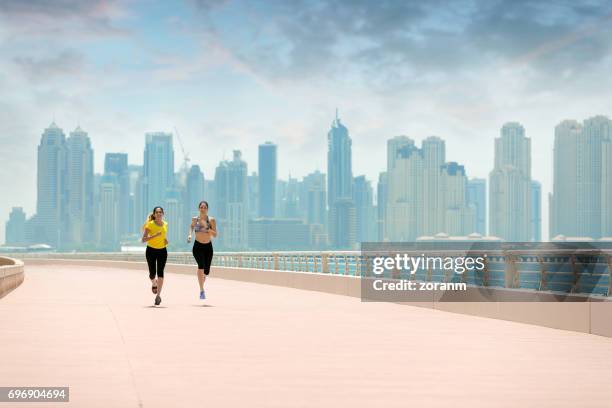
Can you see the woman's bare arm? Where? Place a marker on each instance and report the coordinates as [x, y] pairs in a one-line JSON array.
[[191, 228], [213, 227]]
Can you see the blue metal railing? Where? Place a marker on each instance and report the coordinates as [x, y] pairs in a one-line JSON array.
[[578, 271]]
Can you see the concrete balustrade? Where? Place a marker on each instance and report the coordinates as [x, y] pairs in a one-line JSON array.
[[11, 275]]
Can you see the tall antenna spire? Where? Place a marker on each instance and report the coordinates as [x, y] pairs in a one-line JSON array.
[[336, 114]]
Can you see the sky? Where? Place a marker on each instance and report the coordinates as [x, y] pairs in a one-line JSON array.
[[233, 74]]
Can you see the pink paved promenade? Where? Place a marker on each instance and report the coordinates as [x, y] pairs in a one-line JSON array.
[[250, 345]]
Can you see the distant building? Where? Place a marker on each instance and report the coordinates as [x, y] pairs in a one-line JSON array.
[[459, 218], [267, 173], [536, 211], [510, 185], [194, 192], [116, 164], [434, 213], [158, 167], [108, 214], [138, 209], [15, 231], [253, 189], [52, 187], [404, 213], [477, 198], [279, 234], [232, 202], [363, 197], [290, 205], [582, 179], [316, 198], [80, 168], [177, 228], [342, 223], [381, 204]]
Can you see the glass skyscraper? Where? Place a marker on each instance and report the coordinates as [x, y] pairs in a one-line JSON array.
[[536, 211], [158, 168], [51, 205], [510, 185], [80, 169], [582, 185], [477, 198], [15, 227], [342, 224], [232, 202], [267, 161], [117, 164]]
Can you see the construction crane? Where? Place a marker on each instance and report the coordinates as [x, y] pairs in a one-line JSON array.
[[186, 158]]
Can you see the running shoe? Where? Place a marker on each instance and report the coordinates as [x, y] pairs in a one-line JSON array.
[[202, 295], [157, 300]]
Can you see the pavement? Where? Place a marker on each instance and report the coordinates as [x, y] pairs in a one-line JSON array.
[[95, 330]]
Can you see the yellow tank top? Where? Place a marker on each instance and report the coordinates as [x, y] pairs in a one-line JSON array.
[[160, 241]]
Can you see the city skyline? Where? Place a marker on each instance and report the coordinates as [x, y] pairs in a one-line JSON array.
[[457, 72], [430, 146]]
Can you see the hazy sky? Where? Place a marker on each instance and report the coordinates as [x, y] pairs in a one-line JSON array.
[[231, 74]]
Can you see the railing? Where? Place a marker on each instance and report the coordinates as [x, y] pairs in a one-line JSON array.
[[575, 271]]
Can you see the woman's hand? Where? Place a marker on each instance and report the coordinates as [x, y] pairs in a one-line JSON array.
[[166, 241]]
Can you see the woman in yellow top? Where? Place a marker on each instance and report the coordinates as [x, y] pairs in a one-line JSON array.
[[155, 230]]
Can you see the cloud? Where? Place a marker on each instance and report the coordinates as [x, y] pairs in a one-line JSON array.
[[66, 63], [42, 18], [399, 43]]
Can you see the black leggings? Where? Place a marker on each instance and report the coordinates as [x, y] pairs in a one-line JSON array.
[[159, 257], [203, 254]]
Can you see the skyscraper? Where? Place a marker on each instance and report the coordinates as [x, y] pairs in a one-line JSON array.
[[510, 185], [563, 201], [290, 200], [108, 224], [342, 228], [316, 198], [477, 198], [606, 187], [404, 213], [459, 217], [363, 197], [158, 167], [194, 192], [15, 227], [578, 204], [173, 214], [434, 157], [117, 164], [253, 188], [393, 146], [80, 167], [138, 211], [267, 161], [343, 224], [595, 131], [381, 204], [536, 211], [339, 163], [51, 206], [232, 202]]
